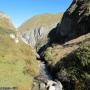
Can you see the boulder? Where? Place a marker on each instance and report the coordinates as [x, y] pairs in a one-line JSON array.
[[42, 86], [54, 85]]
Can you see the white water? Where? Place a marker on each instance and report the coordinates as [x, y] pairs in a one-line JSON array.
[[47, 77]]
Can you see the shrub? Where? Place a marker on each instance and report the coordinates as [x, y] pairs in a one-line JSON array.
[[74, 70]]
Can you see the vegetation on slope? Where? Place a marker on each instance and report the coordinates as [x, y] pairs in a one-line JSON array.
[[70, 62], [18, 64], [44, 20], [5, 22], [74, 70], [55, 52]]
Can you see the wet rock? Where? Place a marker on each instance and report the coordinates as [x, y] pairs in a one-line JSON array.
[[45, 80], [42, 86], [54, 85], [52, 88], [35, 86]]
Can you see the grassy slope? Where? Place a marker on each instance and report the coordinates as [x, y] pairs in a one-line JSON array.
[[56, 52], [6, 23], [76, 68], [18, 65], [47, 20]]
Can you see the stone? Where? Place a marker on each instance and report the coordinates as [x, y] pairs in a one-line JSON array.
[[42, 86], [54, 85], [12, 36], [52, 88], [35, 86]]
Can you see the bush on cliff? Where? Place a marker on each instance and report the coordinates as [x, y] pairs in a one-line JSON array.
[[74, 70]]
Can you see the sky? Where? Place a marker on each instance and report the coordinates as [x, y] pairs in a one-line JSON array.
[[22, 10]]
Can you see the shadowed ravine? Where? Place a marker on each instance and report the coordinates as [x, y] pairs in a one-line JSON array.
[[46, 79], [64, 46]]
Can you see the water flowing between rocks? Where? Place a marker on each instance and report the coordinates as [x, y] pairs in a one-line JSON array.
[[45, 80]]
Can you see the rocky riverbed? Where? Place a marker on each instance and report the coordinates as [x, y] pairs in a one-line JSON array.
[[45, 80]]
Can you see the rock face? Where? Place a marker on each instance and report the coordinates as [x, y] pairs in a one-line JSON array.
[[72, 30], [67, 68], [36, 38], [35, 31], [76, 20]]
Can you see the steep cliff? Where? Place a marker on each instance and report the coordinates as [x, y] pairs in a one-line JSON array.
[[76, 20], [68, 55]]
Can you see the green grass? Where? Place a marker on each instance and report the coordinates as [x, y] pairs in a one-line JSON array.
[[18, 65], [6, 23], [83, 54]]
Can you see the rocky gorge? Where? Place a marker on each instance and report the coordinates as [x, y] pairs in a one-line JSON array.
[[48, 51], [37, 38], [58, 47]]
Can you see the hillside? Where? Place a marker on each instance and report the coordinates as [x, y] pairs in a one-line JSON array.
[[65, 47], [60, 42], [55, 52], [68, 55], [18, 64], [44, 20], [5, 22], [35, 31]]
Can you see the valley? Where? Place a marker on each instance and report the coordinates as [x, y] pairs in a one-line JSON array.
[[48, 51]]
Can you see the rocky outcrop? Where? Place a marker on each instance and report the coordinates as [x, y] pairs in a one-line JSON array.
[[76, 20], [35, 31], [36, 38]]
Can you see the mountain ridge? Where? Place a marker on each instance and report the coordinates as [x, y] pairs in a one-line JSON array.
[[36, 29], [39, 19], [6, 24]]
